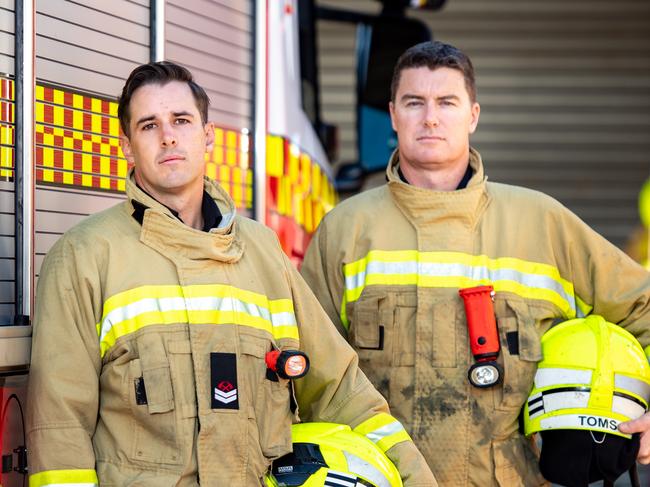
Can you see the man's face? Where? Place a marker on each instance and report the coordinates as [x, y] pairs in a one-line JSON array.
[[168, 140], [433, 117]]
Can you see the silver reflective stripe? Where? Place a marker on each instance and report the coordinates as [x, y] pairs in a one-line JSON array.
[[627, 407], [565, 400], [553, 376], [478, 273], [381, 433], [581, 421], [365, 470], [209, 303], [635, 386]]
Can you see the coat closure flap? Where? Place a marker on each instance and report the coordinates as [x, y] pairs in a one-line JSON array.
[[425, 207]]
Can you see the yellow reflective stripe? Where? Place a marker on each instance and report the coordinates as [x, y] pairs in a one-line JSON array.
[[383, 430], [532, 280], [136, 308], [61, 478]]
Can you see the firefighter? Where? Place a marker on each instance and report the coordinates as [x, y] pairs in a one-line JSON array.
[[159, 321], [387, 265]]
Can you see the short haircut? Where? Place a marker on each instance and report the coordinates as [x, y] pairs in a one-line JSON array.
[[433, 55], [159, 73]]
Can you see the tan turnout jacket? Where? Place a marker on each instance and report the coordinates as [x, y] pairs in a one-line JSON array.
[[387, 265], [148, 356]]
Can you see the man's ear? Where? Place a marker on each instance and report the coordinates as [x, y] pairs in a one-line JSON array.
[[476, 111], [125, 144], [391, 110], [209, 136]]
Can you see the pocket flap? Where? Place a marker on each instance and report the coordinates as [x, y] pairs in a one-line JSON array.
[[364, 332], [156, 373], [530, 345]]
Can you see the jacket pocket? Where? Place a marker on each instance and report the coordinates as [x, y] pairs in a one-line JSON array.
[[515, 463], [152, 404], [521, 349], [272, 406]]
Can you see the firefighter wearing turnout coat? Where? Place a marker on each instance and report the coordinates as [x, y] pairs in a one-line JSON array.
[[387, 265], [151, 335]]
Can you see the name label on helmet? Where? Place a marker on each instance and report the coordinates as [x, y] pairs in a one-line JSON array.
[[581, 421], [597, 421]]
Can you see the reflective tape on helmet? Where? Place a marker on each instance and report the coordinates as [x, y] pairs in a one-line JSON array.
[[550, 376], [635, 386], [627, 406], [582, 422], [64, 478], [366, 470]]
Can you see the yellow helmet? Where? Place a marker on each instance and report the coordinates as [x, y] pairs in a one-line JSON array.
[[594, 375], [332, 454]]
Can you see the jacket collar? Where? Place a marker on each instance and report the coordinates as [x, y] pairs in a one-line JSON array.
[[171, 237], [425, 206]]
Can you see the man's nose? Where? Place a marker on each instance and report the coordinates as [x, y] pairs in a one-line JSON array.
[[168, 136], [431, 115]]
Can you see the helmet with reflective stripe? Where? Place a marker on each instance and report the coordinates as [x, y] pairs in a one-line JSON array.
[[594, 375], [332, 454]]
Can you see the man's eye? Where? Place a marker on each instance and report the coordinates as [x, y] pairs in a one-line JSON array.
[[413, 103], [148, 126], [182, 121]]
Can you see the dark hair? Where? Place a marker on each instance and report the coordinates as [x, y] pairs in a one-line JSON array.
[[435, 54], [160, 73]]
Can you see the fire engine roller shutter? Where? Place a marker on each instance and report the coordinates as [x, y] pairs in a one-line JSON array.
[[87, 47], [7, 229], [213, 38], [564, 89]]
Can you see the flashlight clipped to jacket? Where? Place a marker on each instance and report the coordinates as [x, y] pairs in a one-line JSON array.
[[287, 364], [483, 335]]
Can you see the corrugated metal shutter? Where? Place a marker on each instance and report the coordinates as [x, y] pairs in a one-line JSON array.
[[214, 40], [89, 47], [7, 230], [92, 45], [564, 89], [7, 36]]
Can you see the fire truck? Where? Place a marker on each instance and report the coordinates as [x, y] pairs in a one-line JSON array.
[[62, 64]]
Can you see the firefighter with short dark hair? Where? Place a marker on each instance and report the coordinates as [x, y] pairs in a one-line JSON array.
[[158, 325], [387, 265]]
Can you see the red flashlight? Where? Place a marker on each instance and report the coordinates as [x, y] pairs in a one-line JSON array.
[[483, 335], [288, 364]]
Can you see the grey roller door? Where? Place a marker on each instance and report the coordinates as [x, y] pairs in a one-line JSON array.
[[214, 40], [564, 88]]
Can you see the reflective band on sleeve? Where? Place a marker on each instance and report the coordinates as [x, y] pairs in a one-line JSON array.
[[632, 385], [545, 377], [144, 306], [64, 478], [530, 280], [383, 430]]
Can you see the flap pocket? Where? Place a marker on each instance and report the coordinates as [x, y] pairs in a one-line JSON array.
[[155, 373], [515, 463], [521, 349], [529, 343], [366, 330]]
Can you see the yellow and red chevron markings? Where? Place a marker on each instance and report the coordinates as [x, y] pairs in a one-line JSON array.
[[77, 144], [298, 194]]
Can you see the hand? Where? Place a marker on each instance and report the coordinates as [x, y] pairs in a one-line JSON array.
[[639, 425]]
